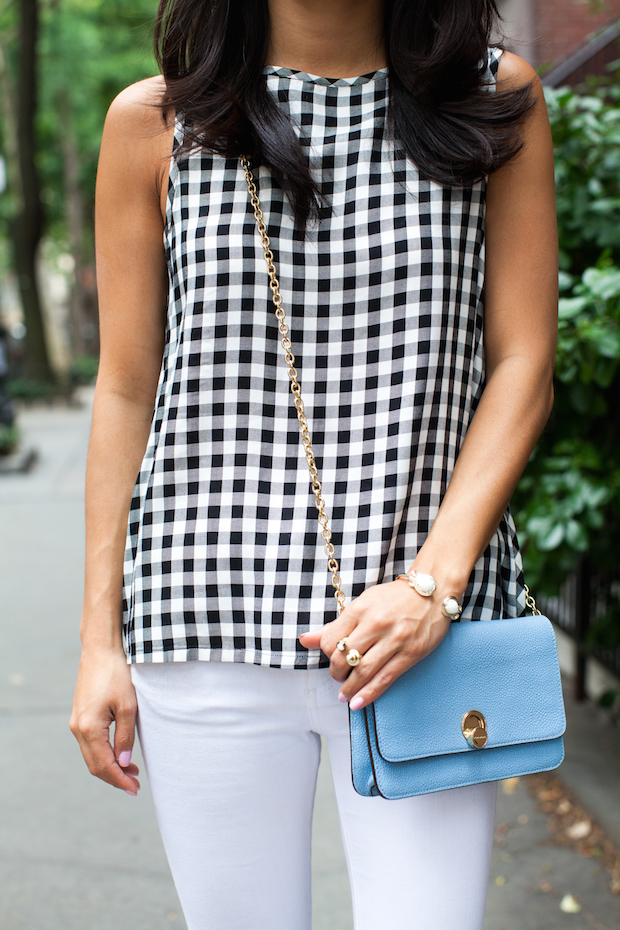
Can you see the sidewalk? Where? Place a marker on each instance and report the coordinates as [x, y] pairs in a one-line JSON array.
[[76, 855]]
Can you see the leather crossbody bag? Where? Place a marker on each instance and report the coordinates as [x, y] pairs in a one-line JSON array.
[[485, 704]]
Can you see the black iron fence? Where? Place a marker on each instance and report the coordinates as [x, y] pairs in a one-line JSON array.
[[588, 609]]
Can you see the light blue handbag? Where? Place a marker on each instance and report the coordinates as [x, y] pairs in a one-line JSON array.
[[485, 704]]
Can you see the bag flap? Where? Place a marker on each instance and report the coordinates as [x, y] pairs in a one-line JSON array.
[[506, 669]]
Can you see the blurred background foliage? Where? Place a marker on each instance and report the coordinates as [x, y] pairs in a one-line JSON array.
[[86, 52], [89, 51], [567, 505], [586, 135]]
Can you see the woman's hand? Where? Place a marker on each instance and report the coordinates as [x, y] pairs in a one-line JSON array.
[[105, 693], [392, 627], [132, 283]]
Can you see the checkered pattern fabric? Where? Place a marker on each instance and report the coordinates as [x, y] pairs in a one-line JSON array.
[[384, 300]]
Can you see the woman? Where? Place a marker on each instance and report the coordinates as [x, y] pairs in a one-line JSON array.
[[372, 129]]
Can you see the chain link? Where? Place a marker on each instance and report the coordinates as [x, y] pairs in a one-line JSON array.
[[304, 427], [530, 603]]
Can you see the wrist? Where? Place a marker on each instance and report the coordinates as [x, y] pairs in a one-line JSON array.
[[101, 632], [451, 578], [426, 586], [93, 648]]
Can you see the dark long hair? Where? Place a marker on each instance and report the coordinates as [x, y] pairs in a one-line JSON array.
[[212, 54]]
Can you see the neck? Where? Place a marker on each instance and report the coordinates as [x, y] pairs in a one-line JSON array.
[[333, 38]]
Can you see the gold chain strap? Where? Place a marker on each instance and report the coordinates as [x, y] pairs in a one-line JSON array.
[[304, 428], [283, 329], [530, 602]]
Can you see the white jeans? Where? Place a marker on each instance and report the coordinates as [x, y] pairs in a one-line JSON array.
[[231, 754]]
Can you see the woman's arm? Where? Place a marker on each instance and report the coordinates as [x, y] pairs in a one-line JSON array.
[[131, 277], [392, 621]]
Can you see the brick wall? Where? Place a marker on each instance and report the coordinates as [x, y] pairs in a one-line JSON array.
[[560, 25]]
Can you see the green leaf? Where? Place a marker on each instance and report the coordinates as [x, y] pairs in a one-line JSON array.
[[591, 496], [552, 539], [606, 341], [570, 307], [576, 536], [604, 283]]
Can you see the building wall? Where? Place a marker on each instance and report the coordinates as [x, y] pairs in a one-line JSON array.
[[560, 25], [518, 28], [543, 31]]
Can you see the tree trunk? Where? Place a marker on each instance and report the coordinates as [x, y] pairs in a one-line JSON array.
[[75, 221], [27, 227]]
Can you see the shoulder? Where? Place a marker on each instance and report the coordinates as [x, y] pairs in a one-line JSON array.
[[534, 160], [137, 109], [514, 72], [138, 137]]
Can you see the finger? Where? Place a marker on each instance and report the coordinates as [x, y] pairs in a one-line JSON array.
[[93, 737], [124, 734], [326, 637], [311, 640], [340, 629], [107, 768], [362, 692], [124, 737], [365, 637], [132, 771], [339, 667], [372, 662]]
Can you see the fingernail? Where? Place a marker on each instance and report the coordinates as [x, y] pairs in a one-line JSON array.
[[356, 704], [124, 759], [342, 698], [133, 794]]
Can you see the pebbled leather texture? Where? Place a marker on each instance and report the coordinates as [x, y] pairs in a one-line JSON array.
[[410, 740]]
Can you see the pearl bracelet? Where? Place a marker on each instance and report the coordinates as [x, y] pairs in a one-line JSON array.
[[451, 608], [423, 584], [426, 585]]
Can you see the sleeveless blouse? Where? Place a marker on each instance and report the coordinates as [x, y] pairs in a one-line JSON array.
[[384, 298]]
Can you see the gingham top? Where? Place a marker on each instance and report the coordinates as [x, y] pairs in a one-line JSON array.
[[384, 300]]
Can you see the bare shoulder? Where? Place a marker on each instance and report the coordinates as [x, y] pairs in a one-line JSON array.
[[514, 72], [528, 177], [137, 140], [137, 111]]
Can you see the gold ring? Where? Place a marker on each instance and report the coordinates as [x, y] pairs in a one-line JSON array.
[[342, 645], [353, 657]]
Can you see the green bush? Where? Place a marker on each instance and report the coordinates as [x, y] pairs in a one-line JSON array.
[[567, 504], [84, 369], [586, 136], [30, 389], [568, 501]]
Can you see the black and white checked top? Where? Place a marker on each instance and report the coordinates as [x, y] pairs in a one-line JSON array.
[[384, 300]]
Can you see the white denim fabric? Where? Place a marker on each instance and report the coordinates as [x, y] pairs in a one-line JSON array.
[[232, 752]]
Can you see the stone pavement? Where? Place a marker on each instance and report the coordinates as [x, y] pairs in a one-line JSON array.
[[77, 855]]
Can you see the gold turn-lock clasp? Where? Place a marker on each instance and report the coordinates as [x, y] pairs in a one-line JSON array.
[[474, 728]]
